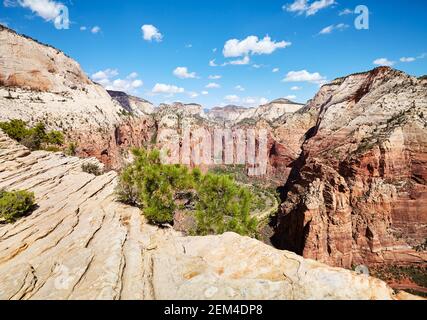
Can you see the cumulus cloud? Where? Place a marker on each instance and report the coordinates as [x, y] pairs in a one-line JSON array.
[[215, 77], [383, 62], [213, 85], [310, 9], [304, 76], [239, 88], [296, 88], [83, 28], [49, 10], [331, 28], [291, 97], [239, 62], [166, 89], [407, 59], [232, 98], [275, 70], [107, 78], [252, 45], [95, 29], [182, 73], [151, 33], [205, 93]]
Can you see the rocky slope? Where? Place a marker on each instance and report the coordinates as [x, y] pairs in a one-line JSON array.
[[81, 244], [39, 83], [358, 192]]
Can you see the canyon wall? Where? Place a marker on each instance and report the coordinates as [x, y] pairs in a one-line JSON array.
[[39, 83], [358, 192]]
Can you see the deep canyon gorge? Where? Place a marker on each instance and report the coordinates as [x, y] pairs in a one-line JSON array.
[[350, 165]]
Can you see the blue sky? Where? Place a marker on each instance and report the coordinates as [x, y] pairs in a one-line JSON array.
[[168, 59]]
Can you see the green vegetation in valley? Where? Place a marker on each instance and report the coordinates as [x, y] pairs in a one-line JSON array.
[[35, 138], [216, 202], [15, 204]]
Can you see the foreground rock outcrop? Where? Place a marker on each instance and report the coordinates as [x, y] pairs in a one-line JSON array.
[[81, 244], [358, 192]]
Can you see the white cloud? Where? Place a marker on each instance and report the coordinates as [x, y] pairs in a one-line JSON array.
[[213, 85], [276, 70], [319, 5], [166, 89], [239, 88], [383, 62], [193, 94], [232, 98], [188, 46], [331, 28], [182, 73], [83, 28], [46, 9], [246, 60], [422, 56], [296, 88], [205, 93], [291, 97], [215, 77], [95, 30], [304, 76], [214, 50], [256, 66], [106, 79], [105, 74], [298, 6], [151, 33], [346, 12], [252, 45], [407, 59], [212, 63], [303, 6]]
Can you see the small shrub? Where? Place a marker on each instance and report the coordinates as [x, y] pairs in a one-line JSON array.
[[15, 204], [71, 149], [92, 168], [34, 138]]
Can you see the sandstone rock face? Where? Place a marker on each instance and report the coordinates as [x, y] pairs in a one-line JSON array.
[[39, 83], [81, 244], [133, 105], [358, 192]]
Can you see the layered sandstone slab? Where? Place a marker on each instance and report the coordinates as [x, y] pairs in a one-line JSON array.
[[81, 244]]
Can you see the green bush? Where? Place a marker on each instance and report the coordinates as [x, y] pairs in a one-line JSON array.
[[35, 138], [220, 204], [15, 204], [71, 149], [223, 206], [92, 168]]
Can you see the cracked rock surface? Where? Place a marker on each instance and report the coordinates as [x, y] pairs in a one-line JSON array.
[[81, 244]]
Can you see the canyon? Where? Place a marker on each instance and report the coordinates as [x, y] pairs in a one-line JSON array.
[[351, 166]]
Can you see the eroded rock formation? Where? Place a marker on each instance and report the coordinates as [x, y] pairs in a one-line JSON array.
[[81, 244], [358, 192]]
